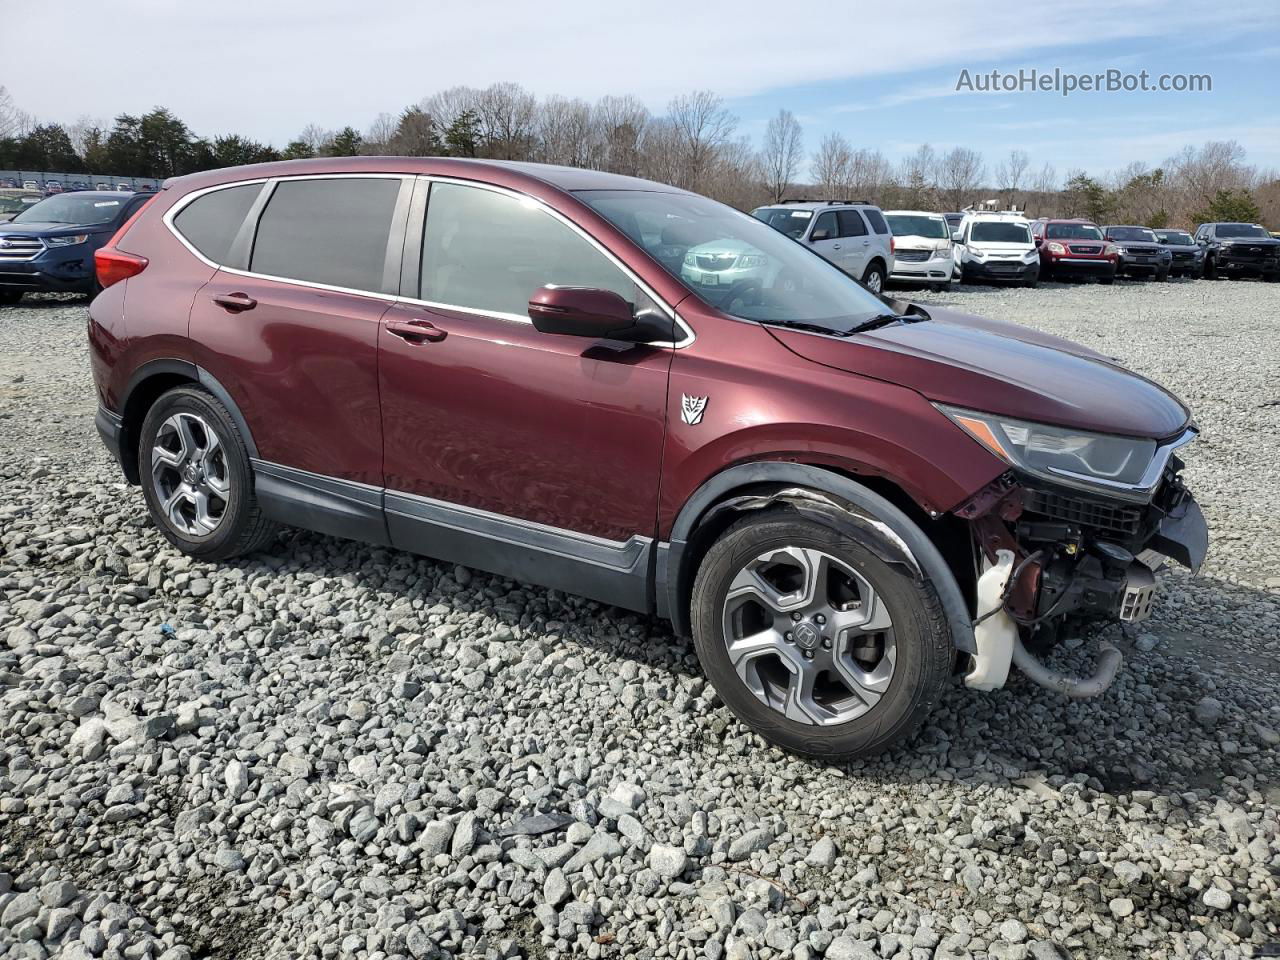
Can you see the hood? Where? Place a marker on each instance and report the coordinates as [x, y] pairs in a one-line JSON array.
[[1180, 246], [1250, 241], [1001, 246], [53, 229], [995, 367], [913, 241]]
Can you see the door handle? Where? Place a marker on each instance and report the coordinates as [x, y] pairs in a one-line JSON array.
[[235, 302], [416, 331], [835, 246], [866, 243]]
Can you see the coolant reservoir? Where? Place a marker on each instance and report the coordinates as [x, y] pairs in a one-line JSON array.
[[995, 635]]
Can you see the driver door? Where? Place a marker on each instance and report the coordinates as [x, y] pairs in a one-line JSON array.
[[530, 454]]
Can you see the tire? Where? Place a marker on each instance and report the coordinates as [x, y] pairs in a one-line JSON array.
[[873, 278], [184, 422], [10, 297], [1107, 281], [865, 725], [1210, 270], [1162, 276]]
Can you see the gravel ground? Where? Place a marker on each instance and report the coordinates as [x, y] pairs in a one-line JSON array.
[[341, 751]]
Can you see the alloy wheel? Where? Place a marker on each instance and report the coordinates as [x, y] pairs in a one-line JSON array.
[[809, 636], [189, 474]]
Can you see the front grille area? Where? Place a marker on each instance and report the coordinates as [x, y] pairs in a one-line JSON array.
[[1179, 255], [716, 261], [1241, 251], [1142, 251], [912, 256], [1090, 248], [20, 247], [1113, 518]]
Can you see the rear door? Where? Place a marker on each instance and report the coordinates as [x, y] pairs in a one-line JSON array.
[[857, 240], [289, 324]]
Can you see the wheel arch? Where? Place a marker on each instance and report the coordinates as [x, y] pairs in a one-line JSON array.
[[151, 381], [872, 507]]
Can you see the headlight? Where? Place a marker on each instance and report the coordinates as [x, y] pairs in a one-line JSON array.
[[1112, 249], [1057, 248], [1030, 255], [1060, 454], [66, 241], [688, 260], [751, 260], [977, 254]]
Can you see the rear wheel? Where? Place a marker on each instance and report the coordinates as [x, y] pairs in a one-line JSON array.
[[10, 296], [874, 278], [815, 642], [197, 479]]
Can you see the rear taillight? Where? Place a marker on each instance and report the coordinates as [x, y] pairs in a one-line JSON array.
[[892, 245], [113, 265]]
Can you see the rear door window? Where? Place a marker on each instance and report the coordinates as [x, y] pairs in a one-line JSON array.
[[488, 251], [334, 232], [851, 224], [210, 223]]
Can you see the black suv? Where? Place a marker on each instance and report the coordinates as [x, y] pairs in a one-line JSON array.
[[1140, 253], [1239, 250], [1186, 256]]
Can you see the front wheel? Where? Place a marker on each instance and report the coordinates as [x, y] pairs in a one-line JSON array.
[[814, 641], [8, 297], [196, 477], [874, 278]]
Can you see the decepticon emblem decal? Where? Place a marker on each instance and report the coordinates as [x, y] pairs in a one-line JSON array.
[[691, 409]]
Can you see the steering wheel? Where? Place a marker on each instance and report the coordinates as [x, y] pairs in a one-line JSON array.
[[746, 291]]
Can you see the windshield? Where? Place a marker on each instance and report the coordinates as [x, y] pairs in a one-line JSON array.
[[997, 231], [790, 222], [735, 262], [72, 208], [1072, 231], [1175, 238], [1130, 233], [917, 225], [1241, 230]]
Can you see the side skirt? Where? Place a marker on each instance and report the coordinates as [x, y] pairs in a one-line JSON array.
[[323, 504], [605, 570]]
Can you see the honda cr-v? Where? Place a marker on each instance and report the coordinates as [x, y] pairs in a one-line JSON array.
[[845, 499]]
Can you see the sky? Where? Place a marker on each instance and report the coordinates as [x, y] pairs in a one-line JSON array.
[[883, 74]]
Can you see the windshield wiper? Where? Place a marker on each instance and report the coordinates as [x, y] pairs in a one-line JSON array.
[[913, 314], [809, 327]]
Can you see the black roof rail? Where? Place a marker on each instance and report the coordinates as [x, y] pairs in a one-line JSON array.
[[832, 202]]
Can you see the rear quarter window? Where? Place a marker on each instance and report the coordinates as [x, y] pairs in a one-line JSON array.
[[333, 232], [877, 221], [210, 223]]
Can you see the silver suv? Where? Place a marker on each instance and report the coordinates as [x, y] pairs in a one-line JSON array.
[[852, 234]]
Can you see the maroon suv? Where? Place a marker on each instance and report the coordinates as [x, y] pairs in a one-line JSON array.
[[845, 499], [1074, 248]]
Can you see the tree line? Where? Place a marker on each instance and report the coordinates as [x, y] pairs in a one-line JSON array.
[[694, 144]]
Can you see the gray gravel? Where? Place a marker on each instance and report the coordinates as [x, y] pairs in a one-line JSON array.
[[333, 750]]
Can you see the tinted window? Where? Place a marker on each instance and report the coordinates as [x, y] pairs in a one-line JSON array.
[[491, 251], [1072, 231], [1241, 230], [876, 221], [918, 225], [825, 224], [210, 222], [851, 224], [71, 208], [327, 231], [790, 222], [1130, 233], [993, 231]]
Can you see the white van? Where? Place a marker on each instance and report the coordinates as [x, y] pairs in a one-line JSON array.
[[922, 250], [996, 246]]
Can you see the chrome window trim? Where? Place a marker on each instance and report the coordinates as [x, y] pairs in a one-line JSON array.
[[180, 205]]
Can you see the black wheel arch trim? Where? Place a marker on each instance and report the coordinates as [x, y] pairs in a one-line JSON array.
[[188, 371], [841, 501]]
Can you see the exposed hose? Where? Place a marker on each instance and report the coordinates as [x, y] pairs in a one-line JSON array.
[[1108, 664]]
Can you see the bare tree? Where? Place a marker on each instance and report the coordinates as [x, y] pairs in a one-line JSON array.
[[620, 123], [13, 121], [448, 105], [781, 153], [1009, 173], [508, 118], [869, 172], [832, 165], [736, 175], [918, 178], [316, 138], [566, 132], [377, 139], [701, 126], [959, 175]]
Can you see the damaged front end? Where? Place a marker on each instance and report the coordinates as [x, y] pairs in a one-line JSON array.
[[1052, 557]]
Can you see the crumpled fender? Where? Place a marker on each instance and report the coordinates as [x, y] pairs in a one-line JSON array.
[[827, 498]]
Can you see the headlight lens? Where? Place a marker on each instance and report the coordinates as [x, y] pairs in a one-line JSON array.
[[1030, 255], [1112, 249], [1059, 454], [751, 260], [977, 254], [1057, 248], [66, 241]]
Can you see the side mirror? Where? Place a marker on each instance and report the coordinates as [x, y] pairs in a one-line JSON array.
[[957, 237], [589, 312], [1039, 241], [819, 235]]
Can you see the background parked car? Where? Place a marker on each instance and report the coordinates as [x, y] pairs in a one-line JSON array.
[[13, 202], [852, 234], [922, 251], [996, 246], [1239, 250], [1186, 256], [1074, 248], [49, 246], [1138, 252]]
